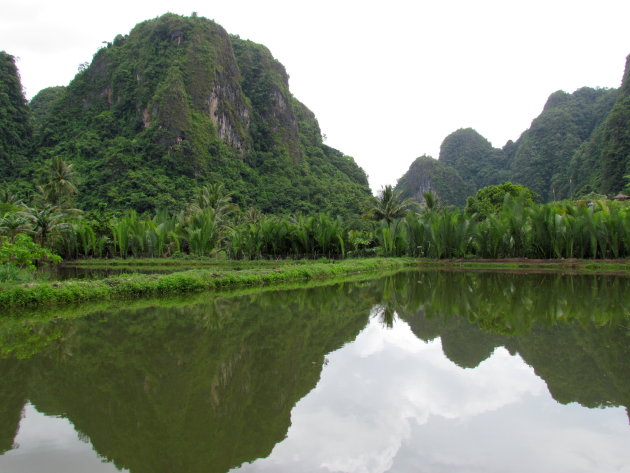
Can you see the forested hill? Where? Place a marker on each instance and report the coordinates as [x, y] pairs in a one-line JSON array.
[[15, 127], [178, 103], [579, 144], [602, 164], [542, 156]]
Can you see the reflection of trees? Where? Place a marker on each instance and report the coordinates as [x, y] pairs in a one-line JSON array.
[[201, 388], [12, 398], [211, 385], [573, 330]]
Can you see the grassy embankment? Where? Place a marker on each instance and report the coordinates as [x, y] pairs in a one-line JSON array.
[[222, 275], [209, 274]]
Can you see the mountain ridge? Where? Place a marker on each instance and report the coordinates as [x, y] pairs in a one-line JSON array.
[[578, 144]]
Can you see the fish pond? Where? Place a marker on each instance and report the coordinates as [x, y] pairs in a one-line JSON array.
[[415, 372]]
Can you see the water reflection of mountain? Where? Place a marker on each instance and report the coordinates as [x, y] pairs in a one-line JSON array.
[[574, 331], [201, 388], [209, 386]]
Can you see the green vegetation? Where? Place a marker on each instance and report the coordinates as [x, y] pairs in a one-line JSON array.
[[577, 146], [474, 158], [135, 285], [429, 175], [490, 199], [175, 105], [211, 225], [179, 140], [389, 205], [23, 252], [603, 163], [15, 126], [20, 255], [500, 222], [518, 229], [543, 154], [42, 105]]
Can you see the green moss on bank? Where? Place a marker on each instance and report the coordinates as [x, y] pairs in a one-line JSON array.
[[196, 280]]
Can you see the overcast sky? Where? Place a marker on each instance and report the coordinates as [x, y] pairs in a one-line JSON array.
[[387, 80]]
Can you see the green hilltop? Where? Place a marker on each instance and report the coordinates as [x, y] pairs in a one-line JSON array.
[[179, 103], [579, 144]]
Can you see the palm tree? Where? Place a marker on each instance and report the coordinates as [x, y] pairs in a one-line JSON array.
[[430, 201], [212, 196], [389, 205], [60, 185], [47, 221], [10, 198], [12, 223]]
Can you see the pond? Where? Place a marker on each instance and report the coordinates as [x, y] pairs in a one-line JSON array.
[[420, 371]]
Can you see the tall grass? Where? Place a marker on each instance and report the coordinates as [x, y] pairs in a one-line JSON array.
[[211, 226], [556, 230]]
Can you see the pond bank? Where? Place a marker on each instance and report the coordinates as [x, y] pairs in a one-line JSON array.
[[223, 274], [216, 277]]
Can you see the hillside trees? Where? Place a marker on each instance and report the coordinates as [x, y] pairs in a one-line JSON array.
[[15, 126], [544, 152], [430, 175], [490, 199], [474, 158]]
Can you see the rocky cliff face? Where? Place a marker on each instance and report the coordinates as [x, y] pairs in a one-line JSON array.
[[430, 175], [171, 73]]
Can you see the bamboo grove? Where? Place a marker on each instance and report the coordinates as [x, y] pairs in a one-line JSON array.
[[211, 225]]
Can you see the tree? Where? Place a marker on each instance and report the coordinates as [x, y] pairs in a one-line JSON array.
[[489, 200], [212, 196], [47, 221], [389, 205], [12, 224], [59, 187]]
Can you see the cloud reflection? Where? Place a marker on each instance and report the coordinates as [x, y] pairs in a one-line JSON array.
[[51, 444], [368, 413]]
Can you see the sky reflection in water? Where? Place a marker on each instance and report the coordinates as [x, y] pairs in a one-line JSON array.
[[51, 444], [392, 402]]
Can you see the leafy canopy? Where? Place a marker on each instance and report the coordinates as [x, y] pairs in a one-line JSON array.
[[489, 200]]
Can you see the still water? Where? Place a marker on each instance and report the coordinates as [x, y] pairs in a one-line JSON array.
[[418, 372]]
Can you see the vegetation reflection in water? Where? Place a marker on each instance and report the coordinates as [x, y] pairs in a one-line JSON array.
[[211, 386]]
